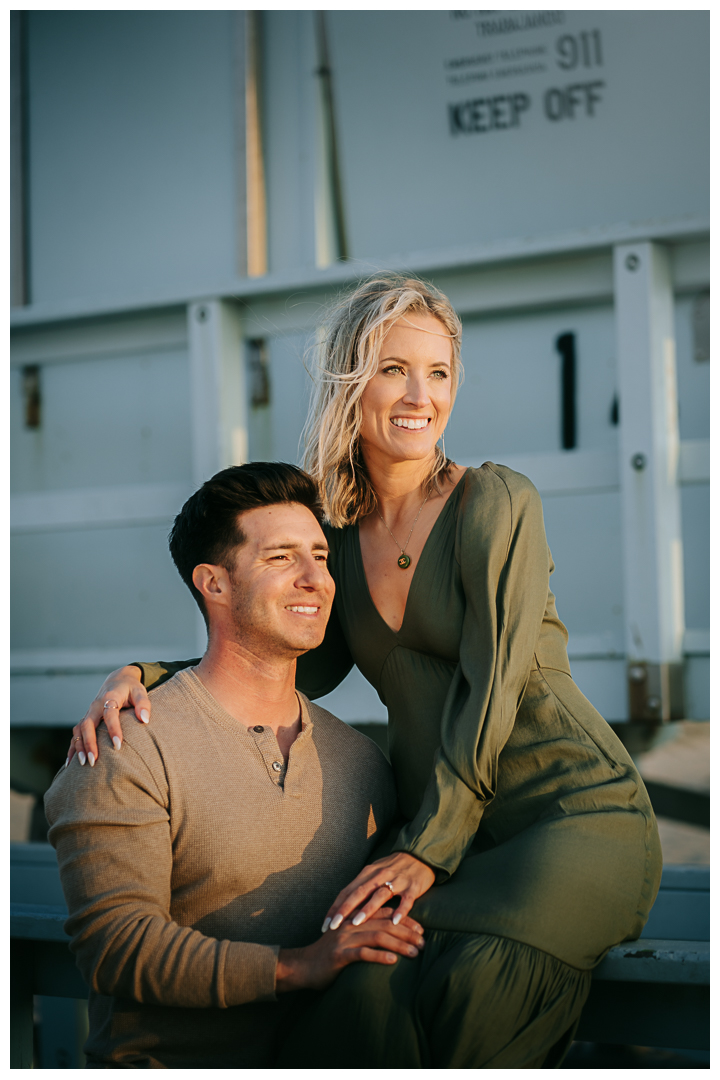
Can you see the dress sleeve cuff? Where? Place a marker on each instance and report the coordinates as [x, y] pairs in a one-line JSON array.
[[445, 825]]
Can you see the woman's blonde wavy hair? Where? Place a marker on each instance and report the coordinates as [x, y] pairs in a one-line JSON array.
[[347, 356]]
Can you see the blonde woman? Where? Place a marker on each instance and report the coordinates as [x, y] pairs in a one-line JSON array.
[[527, 845]]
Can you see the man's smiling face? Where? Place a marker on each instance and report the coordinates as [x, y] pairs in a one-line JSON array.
[[282, 590]]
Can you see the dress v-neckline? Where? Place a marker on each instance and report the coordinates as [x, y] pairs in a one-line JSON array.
[[373, 605]]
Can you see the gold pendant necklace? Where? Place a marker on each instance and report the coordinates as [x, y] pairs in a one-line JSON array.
[[404, 560]]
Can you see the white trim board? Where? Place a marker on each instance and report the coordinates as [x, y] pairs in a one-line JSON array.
[[696, 643], [676, 230], [603, 646], [562, 473], [694, 461], [575, 472], [44, 661], [144, 332], [87, 508]]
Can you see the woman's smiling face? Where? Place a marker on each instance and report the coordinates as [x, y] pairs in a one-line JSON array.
[[407, 403]]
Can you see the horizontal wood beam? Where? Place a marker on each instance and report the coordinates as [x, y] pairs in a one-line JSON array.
[[107, 507], [675, 231], [568, 472]]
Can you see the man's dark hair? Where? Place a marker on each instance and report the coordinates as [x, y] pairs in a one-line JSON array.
[[207, 530]]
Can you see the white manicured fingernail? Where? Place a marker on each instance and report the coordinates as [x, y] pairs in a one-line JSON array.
[[116, 742], [325, 925], [91, 758], [337, 919], [359, 918], [67, 762], [145, 716], [82, 757], [396, 918]]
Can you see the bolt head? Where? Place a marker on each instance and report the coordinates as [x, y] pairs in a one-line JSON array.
[[632, 262], [638, 462], [637, 674]]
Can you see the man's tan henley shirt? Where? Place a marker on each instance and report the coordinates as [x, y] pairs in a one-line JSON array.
[[191, 855]]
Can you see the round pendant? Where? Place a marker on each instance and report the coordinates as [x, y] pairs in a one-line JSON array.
[[404, 561]]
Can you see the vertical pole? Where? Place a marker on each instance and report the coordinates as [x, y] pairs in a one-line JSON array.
[[239, 24], [218, 393], [256, 215], [19, 161], [308, 139], [649, 447], [331, 236], [217, 381]]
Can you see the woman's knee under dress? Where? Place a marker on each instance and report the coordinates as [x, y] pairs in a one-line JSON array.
[[511, 941], [467, 1001]]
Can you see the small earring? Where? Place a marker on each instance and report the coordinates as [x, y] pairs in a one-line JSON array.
[[443, 446]]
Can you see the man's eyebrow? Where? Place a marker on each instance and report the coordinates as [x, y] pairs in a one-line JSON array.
[[291, 545]]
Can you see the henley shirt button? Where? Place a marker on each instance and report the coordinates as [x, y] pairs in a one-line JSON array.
[[259, 728], [276, 766]]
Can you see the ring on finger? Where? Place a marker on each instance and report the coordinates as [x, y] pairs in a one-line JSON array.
[[77, 738], [388, 885], [110, 705]]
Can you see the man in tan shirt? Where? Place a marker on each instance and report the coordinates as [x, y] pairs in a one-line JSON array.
[[200, 855]]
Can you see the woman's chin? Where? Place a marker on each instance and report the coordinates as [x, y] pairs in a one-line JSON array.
[[420, 456]]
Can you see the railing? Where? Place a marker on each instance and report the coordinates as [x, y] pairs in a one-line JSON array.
[[651, 992]]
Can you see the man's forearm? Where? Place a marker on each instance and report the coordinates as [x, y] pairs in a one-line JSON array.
[[150, 959], [111, 831]]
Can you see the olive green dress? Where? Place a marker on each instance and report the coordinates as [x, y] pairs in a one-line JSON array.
[[511, 787]]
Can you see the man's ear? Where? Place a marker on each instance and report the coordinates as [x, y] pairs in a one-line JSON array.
[[212, 582]]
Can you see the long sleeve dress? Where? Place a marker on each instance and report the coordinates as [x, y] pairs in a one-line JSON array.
[[511, 785]]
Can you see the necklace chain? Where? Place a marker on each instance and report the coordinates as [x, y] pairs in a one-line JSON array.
[[404, 561]]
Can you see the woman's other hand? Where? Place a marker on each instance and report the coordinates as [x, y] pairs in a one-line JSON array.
[[378, 941], [122, 689], [399, 874]]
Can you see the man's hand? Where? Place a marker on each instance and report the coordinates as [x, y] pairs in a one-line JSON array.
[[398, 874], [123, 689], [377, 941]]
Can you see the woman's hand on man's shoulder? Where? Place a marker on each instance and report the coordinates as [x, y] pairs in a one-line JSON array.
[[123, 689]]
